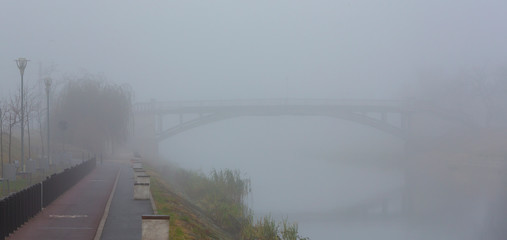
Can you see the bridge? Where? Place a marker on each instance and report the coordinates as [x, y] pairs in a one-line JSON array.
[[386, 115], [390, 116]]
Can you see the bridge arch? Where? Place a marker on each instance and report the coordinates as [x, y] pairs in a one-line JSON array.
[[373, 113], [211, 118], [392, 117]]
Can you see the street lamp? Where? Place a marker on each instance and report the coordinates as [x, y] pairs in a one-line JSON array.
[[62, 124], [21, 62], [1, 143], [48, 81]]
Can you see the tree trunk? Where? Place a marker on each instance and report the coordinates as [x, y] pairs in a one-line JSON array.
[[41, 136], [10, 138], [1, 145], [28, 127]]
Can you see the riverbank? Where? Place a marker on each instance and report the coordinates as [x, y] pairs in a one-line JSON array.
[[187, 220], [212, 206]]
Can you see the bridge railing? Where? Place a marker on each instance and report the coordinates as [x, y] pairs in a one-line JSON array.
[[160, 106]]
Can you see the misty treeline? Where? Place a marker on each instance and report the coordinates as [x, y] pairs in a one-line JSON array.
[[87, 112], [222, 195], [92, 113], [479, 93]]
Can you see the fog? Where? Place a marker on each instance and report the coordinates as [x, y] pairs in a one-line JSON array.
[[261, 49], [449, 53], [300, 168]]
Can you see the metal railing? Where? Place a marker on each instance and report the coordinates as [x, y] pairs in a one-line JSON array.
[[19, 207], [160, 106], [57, 184]]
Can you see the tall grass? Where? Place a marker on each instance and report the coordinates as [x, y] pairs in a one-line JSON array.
[[267, 228], [222, 195]]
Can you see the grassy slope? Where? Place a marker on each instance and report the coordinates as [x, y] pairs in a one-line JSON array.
[[15, 151], [24, 181], [187, 220]]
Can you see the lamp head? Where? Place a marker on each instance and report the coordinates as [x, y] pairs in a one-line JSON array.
[[21, 62], [48, 82]]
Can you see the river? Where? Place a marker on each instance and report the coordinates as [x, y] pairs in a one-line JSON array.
[[305, 169]]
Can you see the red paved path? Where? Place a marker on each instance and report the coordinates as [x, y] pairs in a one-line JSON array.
[[76, 214]]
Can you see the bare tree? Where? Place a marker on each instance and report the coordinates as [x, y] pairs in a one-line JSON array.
[[14, 118], [3, 115], [474, 91], [39, 119], [32, 104]]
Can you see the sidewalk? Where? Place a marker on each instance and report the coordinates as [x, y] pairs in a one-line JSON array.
[[124, 219], [77, 213]]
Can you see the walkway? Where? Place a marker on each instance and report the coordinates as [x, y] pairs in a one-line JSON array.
[[77, 213], [124, 220]]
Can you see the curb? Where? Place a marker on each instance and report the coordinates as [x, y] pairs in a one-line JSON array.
[[98, 234], [153, 206]]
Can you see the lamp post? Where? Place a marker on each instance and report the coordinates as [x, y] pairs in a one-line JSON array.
[[21, 62], [1, 143], [62, 124], [48, 81]]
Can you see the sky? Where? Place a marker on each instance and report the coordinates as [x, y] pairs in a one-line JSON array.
[[173, 50], [224, 49]]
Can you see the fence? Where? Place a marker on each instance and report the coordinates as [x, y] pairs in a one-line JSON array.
[[19, 207]]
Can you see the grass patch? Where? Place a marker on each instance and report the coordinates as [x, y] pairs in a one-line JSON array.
[[212, 207], [186, 221]]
